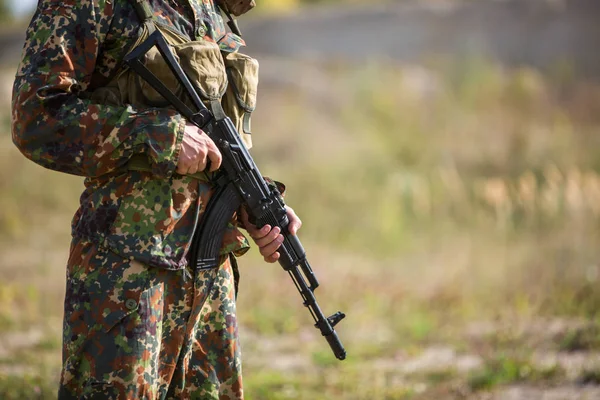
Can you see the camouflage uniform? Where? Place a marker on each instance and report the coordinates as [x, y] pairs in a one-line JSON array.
[[138, 322]]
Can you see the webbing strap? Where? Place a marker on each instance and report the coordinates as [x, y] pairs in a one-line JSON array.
[[145, 14], [217, 109], [142, 9], [246, 125]]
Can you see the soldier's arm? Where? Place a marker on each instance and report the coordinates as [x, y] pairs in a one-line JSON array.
[[55, 125]]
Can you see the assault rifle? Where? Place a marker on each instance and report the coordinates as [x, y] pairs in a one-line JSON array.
[[238, 182]]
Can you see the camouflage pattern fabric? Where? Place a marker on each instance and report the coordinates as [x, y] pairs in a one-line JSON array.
[[72, 48], [138, 323], [137, 332]]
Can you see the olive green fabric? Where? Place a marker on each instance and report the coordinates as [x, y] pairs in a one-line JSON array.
[[201, 60], [240, 99], [231, 78], [237, 7], [140, 163]]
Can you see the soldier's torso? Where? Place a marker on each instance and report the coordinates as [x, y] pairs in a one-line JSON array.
[[134, 213], [194, 19]]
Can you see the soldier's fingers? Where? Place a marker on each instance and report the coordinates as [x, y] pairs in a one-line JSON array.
[[272, 258], [201, 165], [183, 164], [269, 238], [215, 158], [257, 234], [192, 169], [272, 247], [296, 225], [181, 170], [295, 222]]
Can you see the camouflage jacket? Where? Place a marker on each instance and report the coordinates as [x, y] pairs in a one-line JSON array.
[[74, 47]]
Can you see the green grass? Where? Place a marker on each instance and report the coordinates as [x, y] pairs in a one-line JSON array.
[[590, 376], [27, 387], [504, 370], [586, 338]]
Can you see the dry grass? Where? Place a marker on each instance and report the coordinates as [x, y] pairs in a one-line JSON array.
[[452, 213]]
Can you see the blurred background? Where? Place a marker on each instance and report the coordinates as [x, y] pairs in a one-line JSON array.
[[444, 157]]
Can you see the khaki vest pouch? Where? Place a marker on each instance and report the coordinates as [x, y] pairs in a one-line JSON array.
[[239, 100]]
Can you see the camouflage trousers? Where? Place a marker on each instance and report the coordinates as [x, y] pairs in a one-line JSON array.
[[136, 332]]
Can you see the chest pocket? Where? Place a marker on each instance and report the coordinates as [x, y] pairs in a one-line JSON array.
[[240, 99], [201, 60], [231, 78]]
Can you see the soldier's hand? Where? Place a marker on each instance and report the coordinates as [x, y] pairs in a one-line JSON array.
[[269, 239], [196, 149]]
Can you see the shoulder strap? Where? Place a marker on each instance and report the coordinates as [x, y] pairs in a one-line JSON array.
[[232, 23], [144, 13]]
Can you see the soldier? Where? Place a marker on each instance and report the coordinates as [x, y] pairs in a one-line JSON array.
[[139, 322]]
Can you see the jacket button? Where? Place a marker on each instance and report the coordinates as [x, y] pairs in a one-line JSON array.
[[131, 304]]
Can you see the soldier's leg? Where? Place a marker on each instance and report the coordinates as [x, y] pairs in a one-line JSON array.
[[211, 366], [123, 326]]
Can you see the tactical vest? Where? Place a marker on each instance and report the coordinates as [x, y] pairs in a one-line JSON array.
[[227, 82]]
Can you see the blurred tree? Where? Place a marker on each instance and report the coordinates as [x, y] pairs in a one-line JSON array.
[[5, 11], [276, 4], [291, 4]]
